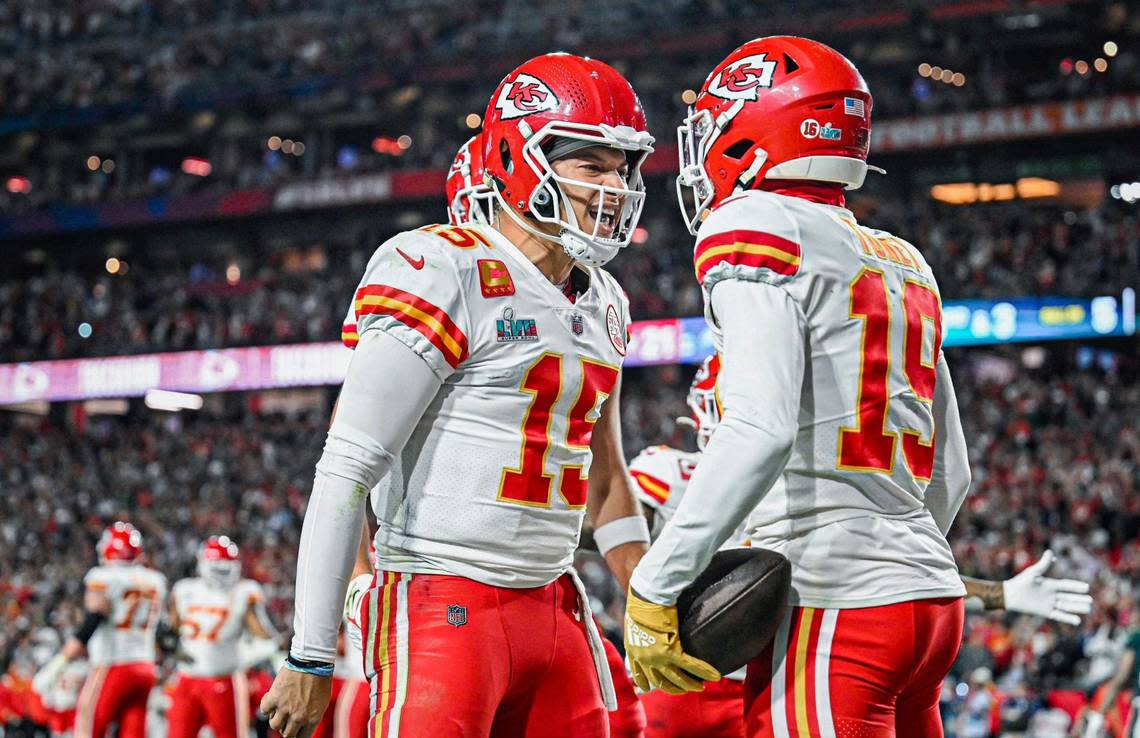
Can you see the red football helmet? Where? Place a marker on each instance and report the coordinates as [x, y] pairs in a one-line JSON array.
[[545, 109], [120, 543], [703, 401], [470, 200], [781, 107], [219, 561]]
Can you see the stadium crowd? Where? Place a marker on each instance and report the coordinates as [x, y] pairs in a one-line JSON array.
[[1053, 445], [145, 94], [301, 294]]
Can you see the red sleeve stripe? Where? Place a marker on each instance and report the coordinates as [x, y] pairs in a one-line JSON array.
[[653, 487], [420, 315], [747, 248], [348, 335]]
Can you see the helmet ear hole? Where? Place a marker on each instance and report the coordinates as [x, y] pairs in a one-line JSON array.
[[739, 149], [790, 64], [505, 155]]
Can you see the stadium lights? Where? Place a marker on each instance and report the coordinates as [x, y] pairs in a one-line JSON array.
[[389, 146], [113, 265], [967, 193], [1081, 67], [108, 166], [233, 274], [197, 167], [157, 399], [1101, 64], [473, 120], [273, 143], [93, 162], [404, 142], [690, 96], [1129, 192], [1031, 187], [640, 235], [19, 185], [940, 74], [1110, 48], [85, 330]]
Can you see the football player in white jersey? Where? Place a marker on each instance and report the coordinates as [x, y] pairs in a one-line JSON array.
[[471, 201], [662, 475], [123, 600], [210, 613], [485, 383], [840, 439]]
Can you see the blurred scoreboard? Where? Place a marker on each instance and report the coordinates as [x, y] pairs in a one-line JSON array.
[[965, 323], [670, 341]]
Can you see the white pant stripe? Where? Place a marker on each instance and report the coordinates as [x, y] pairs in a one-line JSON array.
[[779, 676], [401, 655], [822, 668]]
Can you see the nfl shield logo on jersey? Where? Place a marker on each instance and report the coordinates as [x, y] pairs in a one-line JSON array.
[[456, 615], [577, 324]]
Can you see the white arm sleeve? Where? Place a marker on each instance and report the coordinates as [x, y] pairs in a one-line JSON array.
[[950, 480], [386, 390], [762, 367]]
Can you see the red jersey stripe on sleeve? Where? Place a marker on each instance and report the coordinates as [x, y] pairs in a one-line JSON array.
[[747, 248], [432, 322], [348, 335], [656, 489]]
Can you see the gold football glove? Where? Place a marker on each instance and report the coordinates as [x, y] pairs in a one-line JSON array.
[[653, 645]]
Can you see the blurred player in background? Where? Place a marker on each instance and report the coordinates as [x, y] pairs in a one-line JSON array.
[[123, 601], [210, 613], [840, 432], [662, 474], [484, 357], [471, 201]]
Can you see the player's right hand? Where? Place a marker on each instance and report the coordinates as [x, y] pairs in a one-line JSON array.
[[653, 645], [296, 702], [1094, 725]]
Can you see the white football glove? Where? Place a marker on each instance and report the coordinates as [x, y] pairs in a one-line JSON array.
[[1031, 592], [356, 589], [46, 678], [1094, 725]]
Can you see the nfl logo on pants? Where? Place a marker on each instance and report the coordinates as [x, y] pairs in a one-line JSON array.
[[457, 615]]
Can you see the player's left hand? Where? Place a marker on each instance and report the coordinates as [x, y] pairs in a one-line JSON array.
[[296, 702], [653, 645], [1031, 592]]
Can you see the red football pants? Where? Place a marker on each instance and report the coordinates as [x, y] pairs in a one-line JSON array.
[[350, 716], [628, 721], [450, 657], [873, 672], [717, 712], [221, 702], [114, 694]]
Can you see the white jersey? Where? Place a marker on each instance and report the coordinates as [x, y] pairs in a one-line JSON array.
[[350, 664], [211, 621], [492, 483], [136, 594], [848, 510]]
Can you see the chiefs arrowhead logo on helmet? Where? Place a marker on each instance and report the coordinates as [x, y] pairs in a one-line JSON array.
[[525, 96], [744, 79]]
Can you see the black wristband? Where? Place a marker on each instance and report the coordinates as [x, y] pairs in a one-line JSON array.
[[91, 621], [303, 664]]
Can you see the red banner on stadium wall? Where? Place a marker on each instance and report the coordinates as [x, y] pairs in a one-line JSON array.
[[1006, 124]]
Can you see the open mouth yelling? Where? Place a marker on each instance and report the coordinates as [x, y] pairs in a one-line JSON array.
[[606, 220]]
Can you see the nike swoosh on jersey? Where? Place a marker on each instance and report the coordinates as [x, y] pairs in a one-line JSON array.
[[416, 263]]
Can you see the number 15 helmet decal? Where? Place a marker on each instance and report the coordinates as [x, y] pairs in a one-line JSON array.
[[781, 107], [553, 99]]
